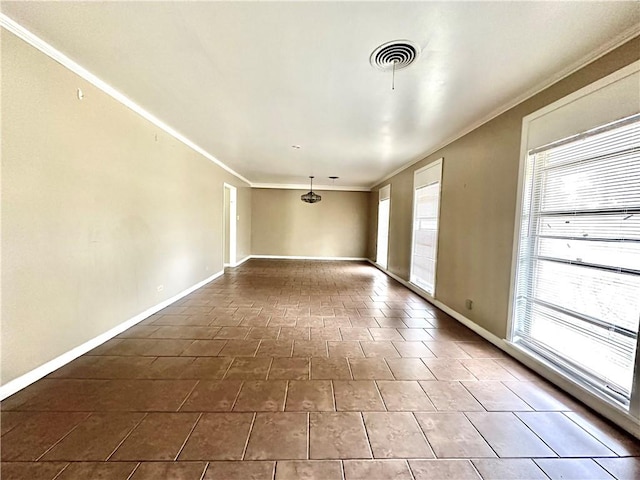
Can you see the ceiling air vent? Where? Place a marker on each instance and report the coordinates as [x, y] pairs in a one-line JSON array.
[[400, 53]]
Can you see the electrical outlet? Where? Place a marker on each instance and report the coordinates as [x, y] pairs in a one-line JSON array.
[[160, 288], [468, 303]]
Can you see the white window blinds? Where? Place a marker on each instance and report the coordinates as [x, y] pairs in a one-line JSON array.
[[577, 292], [425, 226]]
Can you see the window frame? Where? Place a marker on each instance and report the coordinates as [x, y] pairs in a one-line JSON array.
[[605, 403], [437, 163]]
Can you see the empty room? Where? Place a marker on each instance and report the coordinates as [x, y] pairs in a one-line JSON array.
[[320, 240]]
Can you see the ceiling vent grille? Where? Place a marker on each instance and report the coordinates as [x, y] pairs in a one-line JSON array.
[[400, 53]]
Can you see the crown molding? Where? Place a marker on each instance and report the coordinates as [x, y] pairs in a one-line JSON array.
[[35, 41], [305, 186], [592, 56], [21, 32]]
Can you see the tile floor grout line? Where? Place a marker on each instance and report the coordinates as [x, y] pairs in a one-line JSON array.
[[413, 477], [391, 370], [235, 400], [473, 465], [246, 443], [610, 472], [544, 471], [515, 414], [233, 359], [424, 435], [126, 436], [397, 351], [308, 435], [133, 472], [435, 409], [333, 396], [564, 414], [522, 399], [286, 395], [481, 435], [349, 367], [188, 395], [366, 432], [204, 471], [64, 436], [268, 369], [193, 427], [384, 404], [471, 393], [57, 475]]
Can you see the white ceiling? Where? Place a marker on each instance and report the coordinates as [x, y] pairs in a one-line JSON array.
[[245, 81]]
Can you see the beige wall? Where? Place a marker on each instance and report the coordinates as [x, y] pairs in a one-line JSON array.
[[479, 184], [99, 208], [243, 223], [284, 225], [227, 226]]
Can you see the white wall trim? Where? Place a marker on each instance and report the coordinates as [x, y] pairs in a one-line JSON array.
[[305, 187], [297, 257], [538, 365], [36, 42], [607, 47], [241, 261], [36, 374]]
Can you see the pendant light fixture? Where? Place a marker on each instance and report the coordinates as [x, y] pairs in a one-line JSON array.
[[311, 197]]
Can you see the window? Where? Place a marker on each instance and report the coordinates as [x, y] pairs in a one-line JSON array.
[[576, 294], [383, 226], [426, 213]]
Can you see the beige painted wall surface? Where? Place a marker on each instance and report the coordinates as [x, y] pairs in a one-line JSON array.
[[227, 225], [284, 225], [243, 224], [479, 187], [99, 208]]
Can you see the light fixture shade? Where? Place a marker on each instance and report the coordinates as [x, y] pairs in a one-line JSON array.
[[311, 196]]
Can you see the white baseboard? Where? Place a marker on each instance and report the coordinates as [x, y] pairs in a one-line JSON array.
[[540, 366], [297, 257], [486, 334], [45, 369], [248, 257]]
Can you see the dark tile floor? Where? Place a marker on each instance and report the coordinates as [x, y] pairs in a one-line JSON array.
[[298, 370]]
